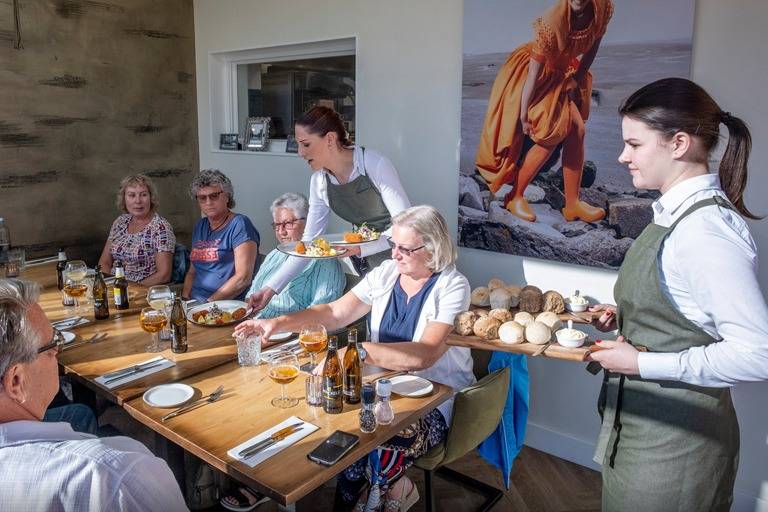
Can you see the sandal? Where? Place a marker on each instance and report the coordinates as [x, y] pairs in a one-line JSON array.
[[405, 500], [243, 499]]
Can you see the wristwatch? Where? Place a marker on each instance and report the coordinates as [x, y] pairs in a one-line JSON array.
[[363, 353]]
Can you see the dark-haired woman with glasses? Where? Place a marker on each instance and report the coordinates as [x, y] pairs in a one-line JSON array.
[[224, 243], [358, 184], [413, 299], [321, 282]]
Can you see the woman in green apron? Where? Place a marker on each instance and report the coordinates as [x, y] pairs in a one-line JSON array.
[[670, 439], [357, 184]]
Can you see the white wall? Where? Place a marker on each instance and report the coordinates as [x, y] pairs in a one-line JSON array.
[[409, 94]]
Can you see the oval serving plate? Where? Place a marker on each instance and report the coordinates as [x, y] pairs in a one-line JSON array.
[[411, 386], [224, 305], [338, 239], [289, 248], [168, 395]]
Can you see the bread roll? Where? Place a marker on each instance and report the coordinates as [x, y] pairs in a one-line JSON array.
[[514, 289], [487, 328], [481, 312], [511, 332], [551, 320], [500, 299], [537, 333], [523, 318], [481, 296], [464, 322], [530, 299], [502, 315], [530, 287], [514, 295], [553, 301], [496, 283]]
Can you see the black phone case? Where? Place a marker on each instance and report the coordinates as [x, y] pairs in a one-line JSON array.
[[329, 452]]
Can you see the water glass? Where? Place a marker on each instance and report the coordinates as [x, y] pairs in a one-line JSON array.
[[314, 390], [15, 262], [248, 349]]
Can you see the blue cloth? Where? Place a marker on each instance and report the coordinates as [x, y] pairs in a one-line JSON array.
[[398, 323], [213, 254], [321, 282], [79, 416], [503, 445]]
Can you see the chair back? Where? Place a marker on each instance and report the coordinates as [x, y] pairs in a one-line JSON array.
[[180, 263], [477, 411]]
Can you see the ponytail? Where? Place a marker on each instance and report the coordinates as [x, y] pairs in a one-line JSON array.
[[733, 166]]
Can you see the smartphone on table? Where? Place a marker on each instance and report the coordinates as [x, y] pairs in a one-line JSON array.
[[330, 451]]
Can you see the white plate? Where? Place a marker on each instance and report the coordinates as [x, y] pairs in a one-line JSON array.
[[69, 337], [281, 336], [168, 395], [288, 248], [224, 305], [338, 239], [411, 386]]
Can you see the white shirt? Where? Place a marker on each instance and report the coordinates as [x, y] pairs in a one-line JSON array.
[[448, 297], [386, 180], [708, 269], [50, 467]]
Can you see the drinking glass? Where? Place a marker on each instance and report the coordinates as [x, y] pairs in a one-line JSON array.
[[152, 320], [73, 275], [15, 262], [283, 369], [313, 338], [314, 390], [248, 349], [161, 298]]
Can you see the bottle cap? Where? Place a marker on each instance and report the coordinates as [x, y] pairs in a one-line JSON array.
[[368, 393], [383, 388]]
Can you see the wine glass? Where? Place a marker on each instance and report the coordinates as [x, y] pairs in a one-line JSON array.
[[161, 298], [283, 369], [73, 275], [152, 320], [313, 338]]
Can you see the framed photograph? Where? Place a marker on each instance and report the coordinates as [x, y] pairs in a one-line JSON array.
[[257, 134], [228, 141], [291, 145]]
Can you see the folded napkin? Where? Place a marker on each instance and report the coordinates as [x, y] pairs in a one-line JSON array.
[[306, 429], [290, 346], [70, 323], [163, 363]]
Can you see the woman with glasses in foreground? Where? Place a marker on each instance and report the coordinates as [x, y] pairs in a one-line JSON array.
[[413, 299]]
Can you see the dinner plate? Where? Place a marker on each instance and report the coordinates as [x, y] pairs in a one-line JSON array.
[[69, 337], [289, 248], [411, 386], [168, 395], [224, 305], [338, 239]]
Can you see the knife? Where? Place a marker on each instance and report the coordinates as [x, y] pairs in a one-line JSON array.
[[69, 322], [274, 438], [110, 377]]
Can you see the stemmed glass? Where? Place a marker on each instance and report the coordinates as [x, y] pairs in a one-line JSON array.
[[74, 274], [161, 298], [313, 338], [152, 320], [283, 369]]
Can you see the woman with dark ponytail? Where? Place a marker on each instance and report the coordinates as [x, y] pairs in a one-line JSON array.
[[687, 292], [359, 185]]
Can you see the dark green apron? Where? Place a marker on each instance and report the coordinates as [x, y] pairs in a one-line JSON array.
[[359, 201], [664, 445]]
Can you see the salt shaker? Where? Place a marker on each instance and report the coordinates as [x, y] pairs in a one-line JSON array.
[[383, 409], [367, 416]]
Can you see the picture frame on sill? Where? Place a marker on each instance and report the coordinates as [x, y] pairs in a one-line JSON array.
[[228, 141], [291, 145], [257, 134]]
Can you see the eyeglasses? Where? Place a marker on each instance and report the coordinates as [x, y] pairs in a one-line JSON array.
[[404, 251], [288, 224], [56, 342], [201, 198]]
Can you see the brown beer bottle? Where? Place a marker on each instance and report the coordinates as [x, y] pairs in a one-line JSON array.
[[120, 288], [333, 400], [178, 327], [100, 297], [353, 377], [60, 266]]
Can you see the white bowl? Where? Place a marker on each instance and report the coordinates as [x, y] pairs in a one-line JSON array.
[[576, 308], [565, 338]]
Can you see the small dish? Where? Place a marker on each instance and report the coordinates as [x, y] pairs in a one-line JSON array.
[[69, 337], [571, 338], [280, 336], [168, 395], [411, 386]]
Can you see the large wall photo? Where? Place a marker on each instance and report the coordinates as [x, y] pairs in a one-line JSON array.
[[547, 183]]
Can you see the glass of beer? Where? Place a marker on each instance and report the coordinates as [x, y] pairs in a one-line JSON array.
[[161, 298], [283, 369], [313, 338], [152, 321], [74, 285]]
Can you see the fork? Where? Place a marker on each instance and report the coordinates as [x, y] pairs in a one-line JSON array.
[[199, 402]]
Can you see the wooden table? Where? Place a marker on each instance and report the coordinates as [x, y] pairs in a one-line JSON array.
[[244, 411]]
